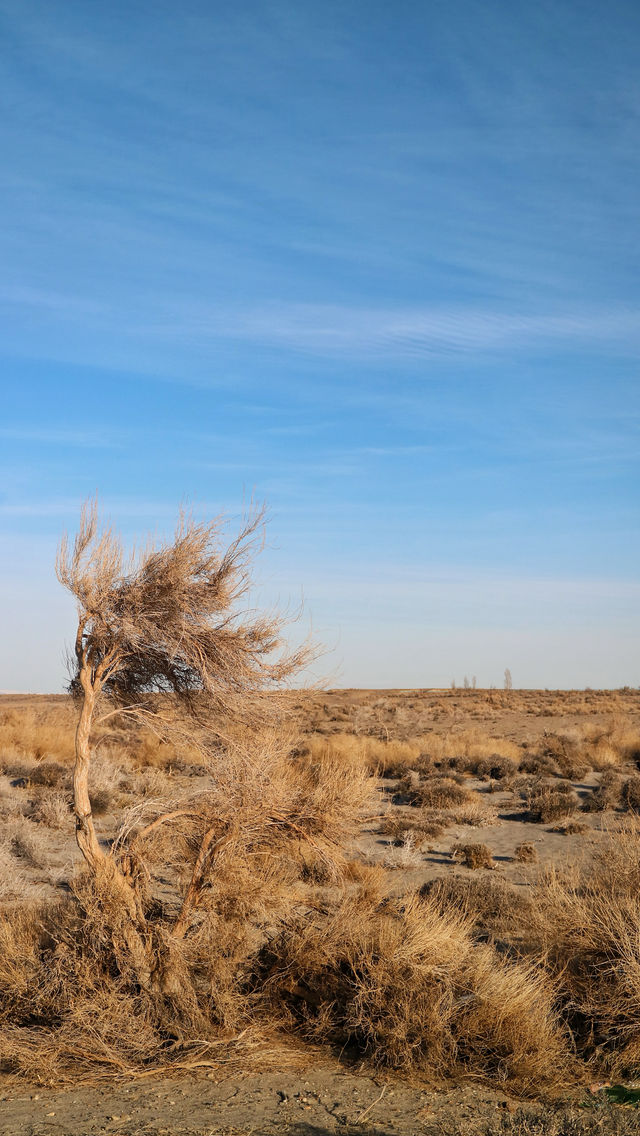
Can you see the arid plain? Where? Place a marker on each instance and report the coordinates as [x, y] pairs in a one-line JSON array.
[[444, 941]]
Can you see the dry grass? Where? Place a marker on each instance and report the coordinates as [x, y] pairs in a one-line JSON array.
[[24, 840], [550, 802], [608, 793], [405, 853], [588, 925], [404, 983], [570, 827], [494, 908], [473, 855], [43, 733], [422, 828], [566, 755], [526, 853], [524, 986], [433, 792]]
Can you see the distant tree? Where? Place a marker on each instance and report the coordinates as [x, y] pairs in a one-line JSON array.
[[473, 683], [508, 683], [466, 683], [453, 684]]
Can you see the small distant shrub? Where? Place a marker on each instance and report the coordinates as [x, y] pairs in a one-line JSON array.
[[608, 794], [423, 830], [495, 768], [438, 793], [546, 803], [49, 774], [475, 812], [538, 764], [25, 842], [526, 853], [404, 854], [570, 827], [567, 756], [53, 810], [101, 802], [631, 794], [473, 855]]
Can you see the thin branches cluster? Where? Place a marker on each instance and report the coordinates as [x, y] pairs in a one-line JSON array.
[[168, 620]]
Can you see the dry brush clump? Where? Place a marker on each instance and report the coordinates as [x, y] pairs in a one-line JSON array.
[[75, 991], [433, 792], [473, 855], [405, 984], [526, 852], [586, 922], [548, 802]]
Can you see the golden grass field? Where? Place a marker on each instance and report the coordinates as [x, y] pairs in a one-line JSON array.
[[435, 890]]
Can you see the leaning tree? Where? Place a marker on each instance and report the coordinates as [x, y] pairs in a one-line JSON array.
[[163, 628]]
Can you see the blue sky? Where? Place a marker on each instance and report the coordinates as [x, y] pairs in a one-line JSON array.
[[373, 263]]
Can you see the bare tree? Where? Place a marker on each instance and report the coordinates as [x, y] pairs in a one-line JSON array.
[[508, 683], [164, 628]]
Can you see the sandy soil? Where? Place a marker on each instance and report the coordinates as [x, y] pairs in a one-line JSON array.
[[319, 1101]]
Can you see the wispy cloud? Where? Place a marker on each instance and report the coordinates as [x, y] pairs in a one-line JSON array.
[[348, 332], [417, 332], [53, 436]]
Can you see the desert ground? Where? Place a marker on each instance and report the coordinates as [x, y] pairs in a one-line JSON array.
[[499, 825]]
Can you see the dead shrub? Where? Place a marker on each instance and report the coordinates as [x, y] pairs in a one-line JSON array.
[[50, 774], [587, 923], [526, 853], [101, 801], [546, 803], [435, 793], [23, 839], [493, 905], [474, 813], [566, 754], [570, 827], [53, 810], [13, 881], [473, 855], [631, 794], [404, 983], [423, 830], [495, 768], [539, 764], [404, 854], [607, 795]]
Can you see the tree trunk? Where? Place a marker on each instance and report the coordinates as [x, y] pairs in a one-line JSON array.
[[115, 887], [85, 830]]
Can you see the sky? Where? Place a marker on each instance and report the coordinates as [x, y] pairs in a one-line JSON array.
[[374, 264]]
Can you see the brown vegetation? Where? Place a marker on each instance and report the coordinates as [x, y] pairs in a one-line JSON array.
[[527, 853], [255, 911], [473, 855]]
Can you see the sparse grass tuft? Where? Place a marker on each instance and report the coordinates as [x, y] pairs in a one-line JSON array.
[[607, 795], [473, 855], [526, 853], [434, 792], [549, 802]]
